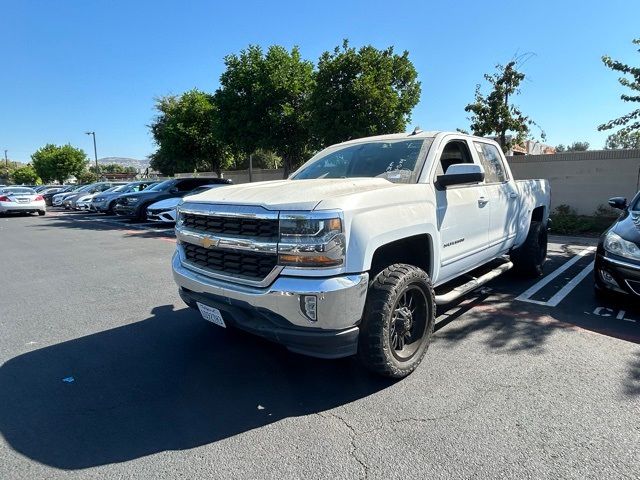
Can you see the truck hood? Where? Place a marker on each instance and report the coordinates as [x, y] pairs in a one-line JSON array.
[[289, 194]]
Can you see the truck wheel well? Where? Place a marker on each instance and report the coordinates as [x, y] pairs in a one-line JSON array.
[[413, 250], [538, 214]]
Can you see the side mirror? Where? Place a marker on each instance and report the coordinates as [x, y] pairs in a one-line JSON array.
[[173, 190], [618, 202], [461, 173]]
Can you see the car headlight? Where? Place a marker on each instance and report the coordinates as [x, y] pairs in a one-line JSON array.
[[313, 240], [617, 245], [98, 199]]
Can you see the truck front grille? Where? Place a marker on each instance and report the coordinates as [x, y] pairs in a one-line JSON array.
[[254, 266], [232, 226]]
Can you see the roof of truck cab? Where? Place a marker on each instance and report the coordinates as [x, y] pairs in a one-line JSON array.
[[410, 135]]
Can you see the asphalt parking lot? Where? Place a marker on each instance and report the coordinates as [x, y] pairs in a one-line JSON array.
[[105, 373]]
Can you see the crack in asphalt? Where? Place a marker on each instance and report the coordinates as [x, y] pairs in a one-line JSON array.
[[354, 433], [352, 436]]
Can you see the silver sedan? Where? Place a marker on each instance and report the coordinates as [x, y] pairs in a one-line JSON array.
[[21, 199]]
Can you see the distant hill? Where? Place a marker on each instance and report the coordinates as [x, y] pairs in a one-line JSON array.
[[127, 162]]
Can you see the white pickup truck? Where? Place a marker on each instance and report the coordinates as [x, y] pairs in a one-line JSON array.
[[352, 253]]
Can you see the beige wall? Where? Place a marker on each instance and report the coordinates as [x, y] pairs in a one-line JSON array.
[[258, 175], [583, 180]]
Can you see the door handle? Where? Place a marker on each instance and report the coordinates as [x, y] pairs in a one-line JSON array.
[[482, 201], [513, 195]]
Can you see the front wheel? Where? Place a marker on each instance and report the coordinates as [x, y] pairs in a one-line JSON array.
[[42, 213], [398, 321]]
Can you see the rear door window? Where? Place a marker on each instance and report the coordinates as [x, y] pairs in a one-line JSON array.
[[491, 160]]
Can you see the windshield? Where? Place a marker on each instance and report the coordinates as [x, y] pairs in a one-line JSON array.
[[160, 187], [17, 190], [394, 160], [635, 206]]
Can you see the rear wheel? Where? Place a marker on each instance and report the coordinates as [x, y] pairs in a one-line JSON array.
[[42, 213], [529, 258], [398, 321]]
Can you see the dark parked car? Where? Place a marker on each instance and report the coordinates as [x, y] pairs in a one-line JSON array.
[[49, 193], [135, 205], [105, 202], [617, 266]]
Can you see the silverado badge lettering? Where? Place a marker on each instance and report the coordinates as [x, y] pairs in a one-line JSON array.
[[455, 242]]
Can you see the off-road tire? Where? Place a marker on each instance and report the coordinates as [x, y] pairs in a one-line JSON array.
[[375, 349], [529, 258]]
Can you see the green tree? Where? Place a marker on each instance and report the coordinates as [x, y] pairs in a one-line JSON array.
[[362, 92], [574, 147], [187, 132], [494, 114], [261, 159], [25, 176], [630, 120], [623, 140], [87, 176], [263, 98], [53, 162], [113, 168]]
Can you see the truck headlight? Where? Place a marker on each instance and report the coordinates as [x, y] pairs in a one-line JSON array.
[[617, 245], [313, 240]]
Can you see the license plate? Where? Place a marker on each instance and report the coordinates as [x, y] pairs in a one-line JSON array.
[[23, 200], [211, 314]]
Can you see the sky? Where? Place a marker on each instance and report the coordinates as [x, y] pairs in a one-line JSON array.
[[67, 67]]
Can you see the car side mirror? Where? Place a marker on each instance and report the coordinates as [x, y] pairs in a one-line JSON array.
[[618, 202], [173, 190], [461, 173]]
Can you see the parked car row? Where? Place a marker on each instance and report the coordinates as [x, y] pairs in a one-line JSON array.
[[139, 200]]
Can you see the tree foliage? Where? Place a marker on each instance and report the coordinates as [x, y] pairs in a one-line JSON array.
[[113, 168], [263, 98], [631, 121], [261, 159], [362, 92], [494, 114], [25, 176], [53, 162], [574, 147], [187, 132], [87, 176], [623, 140]]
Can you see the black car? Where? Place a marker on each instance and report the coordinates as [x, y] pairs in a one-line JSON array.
[[617, 266], [135, 205], [48, 195]]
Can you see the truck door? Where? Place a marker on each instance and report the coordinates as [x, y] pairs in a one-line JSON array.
[[462, 214], [502, 194]]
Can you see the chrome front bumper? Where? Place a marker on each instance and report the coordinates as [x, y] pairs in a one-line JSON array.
[[339, 300]]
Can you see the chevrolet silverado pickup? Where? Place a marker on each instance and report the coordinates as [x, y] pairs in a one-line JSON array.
[[352, 254]]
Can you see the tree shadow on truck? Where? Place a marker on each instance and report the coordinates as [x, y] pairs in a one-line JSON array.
[[169, 382]]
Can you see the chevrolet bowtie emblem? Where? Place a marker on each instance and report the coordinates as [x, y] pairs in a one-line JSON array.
[[210, 242]]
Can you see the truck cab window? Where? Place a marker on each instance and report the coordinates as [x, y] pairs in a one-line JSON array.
[[491, 162], [456, 151]]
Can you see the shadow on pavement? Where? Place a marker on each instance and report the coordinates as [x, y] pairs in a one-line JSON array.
[[632, 386], [169, 382]]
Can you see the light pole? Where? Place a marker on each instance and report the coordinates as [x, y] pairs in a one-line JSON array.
[[95, 152]]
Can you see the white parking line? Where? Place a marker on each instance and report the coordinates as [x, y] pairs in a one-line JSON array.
[[557, 298], [564, 291]]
